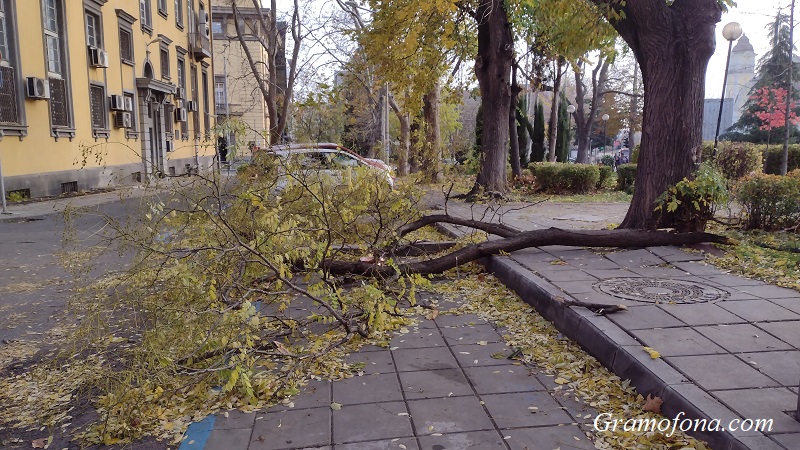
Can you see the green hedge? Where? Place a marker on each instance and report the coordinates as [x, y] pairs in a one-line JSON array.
[[606, 173], [626, 176], [770, 202], [772, 159], [560, 178]]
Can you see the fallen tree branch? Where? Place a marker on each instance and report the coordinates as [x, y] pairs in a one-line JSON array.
[[526, 239], [497, 229]]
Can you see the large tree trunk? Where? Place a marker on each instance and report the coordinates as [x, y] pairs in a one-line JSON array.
[[433, 146], [513, 138], [672, 43], [493, 69], [405, 137], [552, 132]]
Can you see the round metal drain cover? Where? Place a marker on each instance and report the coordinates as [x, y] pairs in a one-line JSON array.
[[655, 290]]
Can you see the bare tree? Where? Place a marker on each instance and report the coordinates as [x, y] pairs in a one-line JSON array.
[[271, 38]]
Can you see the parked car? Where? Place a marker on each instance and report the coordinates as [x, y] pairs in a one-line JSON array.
[[330, 159]]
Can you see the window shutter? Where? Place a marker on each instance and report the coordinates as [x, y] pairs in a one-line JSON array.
[[97, 97], [8, 96], [58, 102]]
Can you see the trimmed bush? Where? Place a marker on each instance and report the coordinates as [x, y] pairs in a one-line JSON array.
[[735, 159], [772, 159], [635, 155], [606, 173], [626, 175], [690, 204], [770, 202], [559, 178], [607, 160]]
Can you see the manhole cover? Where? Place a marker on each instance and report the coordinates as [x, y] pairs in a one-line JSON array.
[[654, 290]]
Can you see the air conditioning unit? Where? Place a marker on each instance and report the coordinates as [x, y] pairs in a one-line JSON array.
[[123, 119], [117, 103], [38, 88], [205, 30], [179, 92], [180, 115], [98, 57], [128, 104]]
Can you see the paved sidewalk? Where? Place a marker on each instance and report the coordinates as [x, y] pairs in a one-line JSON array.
[[34, 209], [729, 345], [441, 385]]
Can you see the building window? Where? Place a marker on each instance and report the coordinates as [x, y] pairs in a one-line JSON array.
[[206, 106], [195, 99], [220, 94], [162, 7], [182, 74], [125, 46], [94, 34], [165, 63], [58, 73], [146, 15], [11, 111], [179, 13], [216, 27], [97, 103], [130, 97]]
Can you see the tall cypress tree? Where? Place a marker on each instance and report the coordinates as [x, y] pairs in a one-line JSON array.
[[522, 133], [564, 132], [537, 138]]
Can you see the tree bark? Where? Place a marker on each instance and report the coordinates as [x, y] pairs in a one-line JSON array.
[[552, 132], [432, 154], [672, 44], [405, 137], [525, 239], [493, 70], [513, 138]]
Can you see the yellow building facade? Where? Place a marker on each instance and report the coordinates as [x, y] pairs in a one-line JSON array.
[[103, 92]]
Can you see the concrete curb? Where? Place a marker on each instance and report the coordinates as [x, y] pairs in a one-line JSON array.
[[619, 352]]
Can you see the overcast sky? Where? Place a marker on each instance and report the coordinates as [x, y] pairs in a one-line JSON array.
[[754, 16]]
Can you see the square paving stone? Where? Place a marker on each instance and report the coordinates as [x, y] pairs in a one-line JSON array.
[[678, 341], [408, 360], [734, 280], [418, 339], [374, 362], [435, 383], [567, 437], [645, 316], [292, 428], [702, 314], [698, 268], [613, 273], [315, 394], [594, 263], [367, 389], [229, 439], [576, 287], [758, 310], [491, 354], [658, 272], [408, 443], [386, 420], [757, 443], [792, 304], [476, 440], [555, 276], [768, 403], [575, 253], [635, 258], [790, 441], [449, 415], [713, 372], [769, 291], [781, 366], [470, 334], [513, 410], [788, 332], [234, 419], [457, 320], [742, 338], [501, 379]]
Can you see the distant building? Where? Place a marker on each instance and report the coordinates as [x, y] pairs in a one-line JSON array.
[[711, 114], [236, 91], [741, 79]]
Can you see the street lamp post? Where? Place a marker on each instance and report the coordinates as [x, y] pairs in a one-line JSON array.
[[731, 32], [571, 111], [605, 123]]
